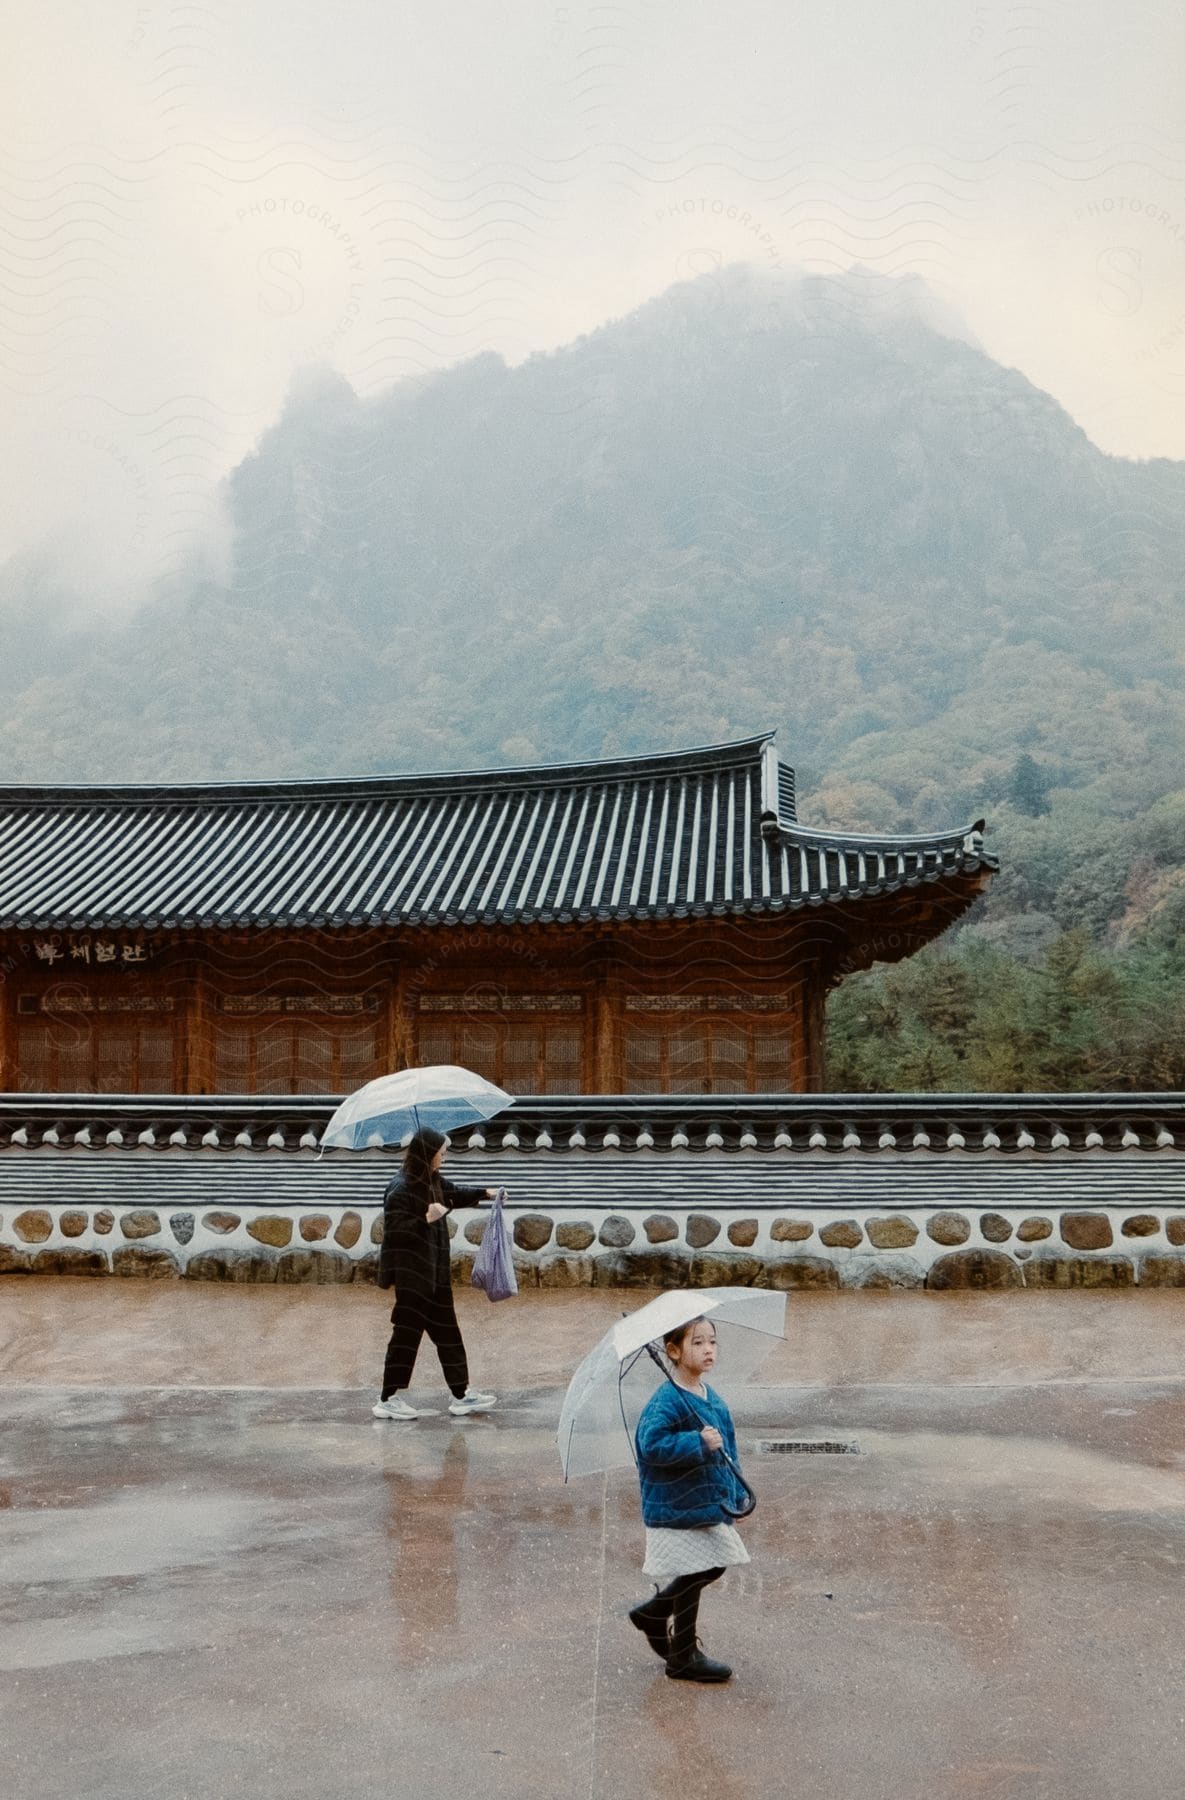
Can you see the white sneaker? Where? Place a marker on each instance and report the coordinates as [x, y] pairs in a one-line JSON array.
[[394, 1408], [472, 1402]]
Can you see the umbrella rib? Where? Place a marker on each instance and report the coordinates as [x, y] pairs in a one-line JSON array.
[[625, 1424]]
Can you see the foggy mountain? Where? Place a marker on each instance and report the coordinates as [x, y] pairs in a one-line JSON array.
[[759, 500]]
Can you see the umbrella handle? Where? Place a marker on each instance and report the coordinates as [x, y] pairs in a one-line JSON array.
[[744, 1511]]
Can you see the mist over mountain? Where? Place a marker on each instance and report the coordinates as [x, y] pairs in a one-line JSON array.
[[758, 500]]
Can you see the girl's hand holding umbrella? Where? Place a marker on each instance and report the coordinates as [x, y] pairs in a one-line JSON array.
[[712, 1438]]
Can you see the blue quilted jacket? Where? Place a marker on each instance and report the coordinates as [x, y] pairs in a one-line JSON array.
[[683, 1482]]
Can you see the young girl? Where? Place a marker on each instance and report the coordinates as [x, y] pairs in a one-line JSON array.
[[414, 1260], [689, 1495]]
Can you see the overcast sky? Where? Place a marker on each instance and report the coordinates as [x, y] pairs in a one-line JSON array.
[[199, 196]]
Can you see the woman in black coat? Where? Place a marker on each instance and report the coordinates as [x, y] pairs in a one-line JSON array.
[[414, 1260]]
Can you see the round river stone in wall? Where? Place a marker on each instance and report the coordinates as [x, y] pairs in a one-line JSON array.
[[1080, 1271], [315, 1226], [1086, 1231], [802, 1272], [743, 1232], [376, 1229], [349, 1230], [725, 1270], [475, 1230], [227, 1264], [975, 1269], [884, 1275], [315, 1267], [660, 1229], [140, 1224], [892, 1234], [271, 1230], [702, 1230], [1140, 1225], [72, 1262], [532, 1231], [566, 1271], [1029, 1230], [617, 1232], [949, 1228], [72, 1224], [182, 1225], [574, 1235], [790, 1231], [844, 1234], [995, 1227], [214, 1221], [132, 1260], [33, 1227], [645, 1268], [1175, 1230], [104, 1220], [1162, 1271]]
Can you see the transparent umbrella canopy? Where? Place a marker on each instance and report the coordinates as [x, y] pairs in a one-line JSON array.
[[442, 1095], [611, 1386]]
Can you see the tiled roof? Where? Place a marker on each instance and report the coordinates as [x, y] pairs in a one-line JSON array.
[[692, 833]]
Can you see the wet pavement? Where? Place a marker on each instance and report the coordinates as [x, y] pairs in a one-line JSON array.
[[222, 1577]]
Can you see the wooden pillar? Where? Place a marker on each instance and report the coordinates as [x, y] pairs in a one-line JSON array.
[[801, 1035], [605, 1079], [814, 996], [606, 996], [199, 1022], [401, 1014], [8, 1070]]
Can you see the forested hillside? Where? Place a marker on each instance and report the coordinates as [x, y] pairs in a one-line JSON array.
[[756, 501]]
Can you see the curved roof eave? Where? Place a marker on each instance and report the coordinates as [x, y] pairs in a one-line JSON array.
[[756, 906], [810, 837], [653, 764]]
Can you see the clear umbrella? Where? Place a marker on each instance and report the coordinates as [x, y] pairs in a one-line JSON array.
[[384, 1111], [608, 1391]]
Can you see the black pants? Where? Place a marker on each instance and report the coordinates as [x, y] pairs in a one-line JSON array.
[[682, 1597], [413, 1315]]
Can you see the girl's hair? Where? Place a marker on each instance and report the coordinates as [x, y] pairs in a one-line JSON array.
[[678, 1337], [421, 1178]]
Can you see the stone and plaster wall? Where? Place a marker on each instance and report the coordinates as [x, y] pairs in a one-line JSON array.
[[871, 1248]]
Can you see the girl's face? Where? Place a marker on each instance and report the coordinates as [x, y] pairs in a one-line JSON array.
[[697, 1353], [439, 1157]]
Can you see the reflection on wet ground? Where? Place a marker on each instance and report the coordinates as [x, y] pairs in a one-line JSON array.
[[211, 1590]]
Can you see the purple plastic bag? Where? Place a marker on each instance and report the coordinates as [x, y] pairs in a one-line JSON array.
[[493, 1266]]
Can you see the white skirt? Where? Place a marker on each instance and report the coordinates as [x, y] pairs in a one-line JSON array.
[[670, 1552]]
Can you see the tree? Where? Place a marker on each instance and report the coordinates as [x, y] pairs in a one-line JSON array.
[[1028, 789]]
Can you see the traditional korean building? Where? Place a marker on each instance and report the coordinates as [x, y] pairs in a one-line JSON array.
[[657, 924]]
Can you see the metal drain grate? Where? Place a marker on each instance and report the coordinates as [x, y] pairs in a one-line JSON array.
[[808, 1447]]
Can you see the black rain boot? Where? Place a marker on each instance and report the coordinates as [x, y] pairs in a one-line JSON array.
[[652, 1618], [687, 1661], [698, 1667]]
